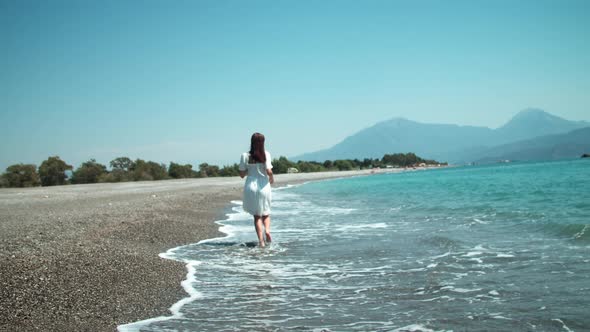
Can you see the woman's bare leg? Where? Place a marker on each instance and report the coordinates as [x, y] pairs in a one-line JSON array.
[[266, 221], [258, 225]]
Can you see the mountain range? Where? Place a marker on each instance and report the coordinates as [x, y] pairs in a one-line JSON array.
[[532, 134]]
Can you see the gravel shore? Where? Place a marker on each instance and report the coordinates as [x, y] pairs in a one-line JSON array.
[[85, 257]]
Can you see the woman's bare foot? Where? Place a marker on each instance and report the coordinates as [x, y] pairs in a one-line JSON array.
[[261, 244], [268, 238]]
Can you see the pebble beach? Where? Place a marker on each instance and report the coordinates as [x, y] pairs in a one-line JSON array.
[[74, 257]]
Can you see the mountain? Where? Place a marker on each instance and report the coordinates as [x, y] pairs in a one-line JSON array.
[[533, 123], [401, 135], [444, 142], [550, 147]]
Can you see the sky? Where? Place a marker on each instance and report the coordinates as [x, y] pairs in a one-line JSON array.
[[190, 81]]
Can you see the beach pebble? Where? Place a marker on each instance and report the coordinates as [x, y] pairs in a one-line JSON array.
[[71, 265]]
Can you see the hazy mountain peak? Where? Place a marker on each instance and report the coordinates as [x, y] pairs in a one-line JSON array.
[[533, 122], [532, 110], [398, 120], [447, 142], [535, 114]]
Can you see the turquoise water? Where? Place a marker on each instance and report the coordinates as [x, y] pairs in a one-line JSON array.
[[495, 248]]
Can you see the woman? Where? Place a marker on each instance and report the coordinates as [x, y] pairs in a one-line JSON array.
[[257, 192]]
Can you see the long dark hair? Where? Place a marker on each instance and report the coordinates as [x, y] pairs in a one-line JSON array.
[[257, 153]]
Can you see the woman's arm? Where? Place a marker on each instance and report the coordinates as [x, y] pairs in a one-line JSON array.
[[270, 176], [243, 169]]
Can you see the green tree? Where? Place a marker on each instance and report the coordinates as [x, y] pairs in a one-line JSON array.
[[53, 171], [89, 172], [281, 165], [401, 159], [303, 166], [309, 166], [343, 165], [367, 163], [230, 170], [356, 163], [122, 164], [207, 170], [178, 171], [21, 175], [120, 170], [148, 170]]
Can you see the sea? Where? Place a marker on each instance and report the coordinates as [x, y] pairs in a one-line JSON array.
[[503, 247]]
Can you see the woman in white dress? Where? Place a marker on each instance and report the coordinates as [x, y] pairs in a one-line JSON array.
[[256, 165]]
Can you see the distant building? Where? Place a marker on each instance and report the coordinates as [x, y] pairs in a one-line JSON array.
[[292, 170]]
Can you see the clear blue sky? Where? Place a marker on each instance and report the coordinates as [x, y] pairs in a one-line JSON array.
[[190, 81]]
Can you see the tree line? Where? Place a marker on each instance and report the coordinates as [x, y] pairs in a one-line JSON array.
[[54, 171], [282, 164]]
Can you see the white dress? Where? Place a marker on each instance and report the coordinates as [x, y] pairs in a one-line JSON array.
[[257, 190]]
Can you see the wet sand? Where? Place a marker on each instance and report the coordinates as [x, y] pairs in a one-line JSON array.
[[85, 257]]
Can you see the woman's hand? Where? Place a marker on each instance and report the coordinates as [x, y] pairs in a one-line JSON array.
[[271, 178]]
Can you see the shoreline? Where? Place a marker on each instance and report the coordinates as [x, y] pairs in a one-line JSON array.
[[74, 257]]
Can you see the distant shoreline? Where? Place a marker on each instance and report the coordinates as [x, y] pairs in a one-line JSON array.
[[74, 257]]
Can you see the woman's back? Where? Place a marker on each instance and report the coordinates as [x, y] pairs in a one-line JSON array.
[[256, 170], [257, 190]]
